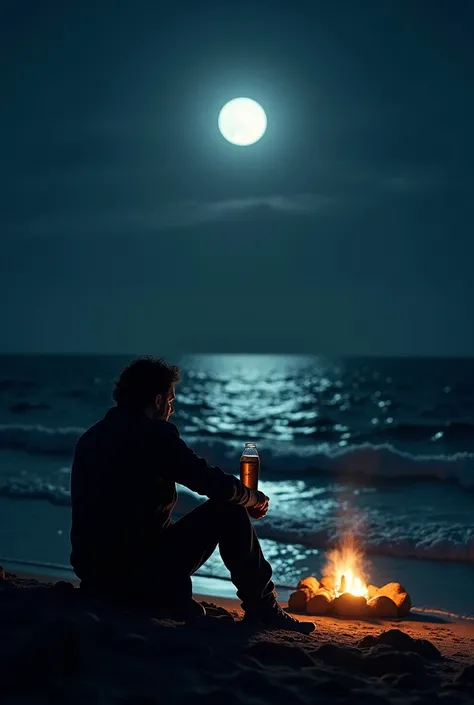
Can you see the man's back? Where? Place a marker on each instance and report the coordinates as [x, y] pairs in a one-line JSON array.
[[120, 500], [123, 491]]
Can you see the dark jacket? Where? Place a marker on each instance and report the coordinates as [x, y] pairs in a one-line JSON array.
[[123, 491]]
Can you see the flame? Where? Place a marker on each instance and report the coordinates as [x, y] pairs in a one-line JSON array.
[[345, 566]]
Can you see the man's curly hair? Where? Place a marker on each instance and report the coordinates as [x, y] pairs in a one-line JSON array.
[[142, 380]]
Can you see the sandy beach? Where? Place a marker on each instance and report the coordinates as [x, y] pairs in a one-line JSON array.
[[56, 646]]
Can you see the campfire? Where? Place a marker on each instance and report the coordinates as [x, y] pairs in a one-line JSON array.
[[344, 590]]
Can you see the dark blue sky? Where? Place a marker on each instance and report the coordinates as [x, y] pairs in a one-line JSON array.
[[129, 225]]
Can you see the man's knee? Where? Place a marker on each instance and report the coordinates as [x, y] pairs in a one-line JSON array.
[[225, 511]]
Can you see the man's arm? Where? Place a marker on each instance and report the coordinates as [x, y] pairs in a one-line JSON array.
[[188, 469]]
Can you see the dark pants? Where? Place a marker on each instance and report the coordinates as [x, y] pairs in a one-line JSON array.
[[183, 548], [186, 545]]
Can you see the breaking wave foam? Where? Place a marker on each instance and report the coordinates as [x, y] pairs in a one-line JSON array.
[[378, 534], [436, 542]]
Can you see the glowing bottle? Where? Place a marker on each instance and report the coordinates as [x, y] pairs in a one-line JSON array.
[[250, 466]]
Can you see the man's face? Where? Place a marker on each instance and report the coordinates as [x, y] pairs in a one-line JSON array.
[[164, 406]]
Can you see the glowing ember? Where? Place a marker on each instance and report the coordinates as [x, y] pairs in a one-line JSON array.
[[345, 565]]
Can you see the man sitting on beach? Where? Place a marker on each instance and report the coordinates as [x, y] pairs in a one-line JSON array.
[[123, 492]]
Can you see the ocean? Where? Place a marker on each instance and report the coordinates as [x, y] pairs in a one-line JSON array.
[[379, 448]]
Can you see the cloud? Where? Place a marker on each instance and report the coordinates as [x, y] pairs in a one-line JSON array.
[[303, 203], [172, 215]]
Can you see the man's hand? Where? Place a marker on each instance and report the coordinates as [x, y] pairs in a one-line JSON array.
[[259, 510]]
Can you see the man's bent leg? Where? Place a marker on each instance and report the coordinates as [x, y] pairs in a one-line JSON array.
[[242, 554], [230, 526], [188, 543]]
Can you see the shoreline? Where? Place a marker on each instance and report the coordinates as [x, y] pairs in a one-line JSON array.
[[222, 592], [205, 587]]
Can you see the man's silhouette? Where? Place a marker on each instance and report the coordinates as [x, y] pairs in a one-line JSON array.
[[123, 491]]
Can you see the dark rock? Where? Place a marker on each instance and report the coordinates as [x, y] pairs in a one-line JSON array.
[[392, 662], [345, 656], [403, 642], [367, 641], [427, 649], [2, 573], [379, 649], [396, 638], [271, 652]]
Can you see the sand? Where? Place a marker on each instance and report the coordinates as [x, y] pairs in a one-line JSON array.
[[56, 646]]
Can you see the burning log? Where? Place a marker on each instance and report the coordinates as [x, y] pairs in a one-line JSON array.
[[382, 606], [321, 603], [389, 601], [311, 583], [403, 602], [348, 605], [397, 593], [372, 591], [298, 600], [305, 591], [328, 583]]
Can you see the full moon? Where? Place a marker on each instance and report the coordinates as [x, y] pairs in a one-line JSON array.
[[242, 121]]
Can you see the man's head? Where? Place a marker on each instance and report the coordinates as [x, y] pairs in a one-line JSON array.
[[148, 384]]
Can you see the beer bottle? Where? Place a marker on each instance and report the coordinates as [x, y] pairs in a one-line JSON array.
[[250, 466]]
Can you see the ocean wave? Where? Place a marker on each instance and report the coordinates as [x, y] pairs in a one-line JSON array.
[[448, 431], [381, 462], [312, 427], [38, 439], [36, 489], [435, 542], [377, 534], [361, 462]]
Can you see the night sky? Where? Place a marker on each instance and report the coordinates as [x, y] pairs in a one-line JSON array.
[[128, 224]]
